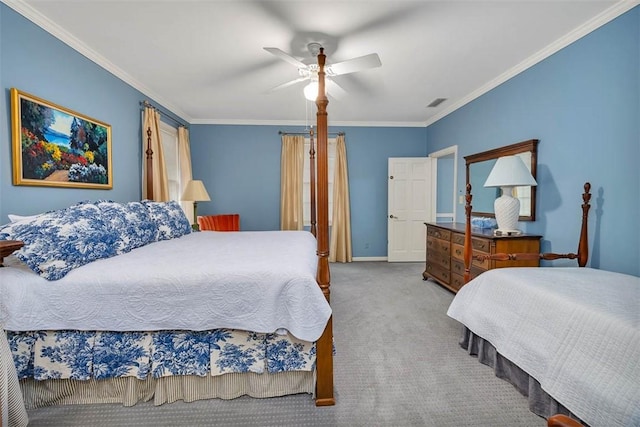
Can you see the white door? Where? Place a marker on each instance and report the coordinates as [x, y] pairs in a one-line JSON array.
[[411, 204]]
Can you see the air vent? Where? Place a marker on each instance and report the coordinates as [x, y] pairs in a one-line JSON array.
[[437, 102]]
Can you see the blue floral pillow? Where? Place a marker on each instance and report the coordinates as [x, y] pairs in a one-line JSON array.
[[170, 219], [57, 242], [134, 226]]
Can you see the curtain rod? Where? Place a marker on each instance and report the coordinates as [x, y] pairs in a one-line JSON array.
[[280, 132], [165, 113]]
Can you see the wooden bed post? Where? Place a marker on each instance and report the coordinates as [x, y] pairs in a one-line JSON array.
[[312, 172], [324, 346], [583, 245], [468, 250], [149, 171]]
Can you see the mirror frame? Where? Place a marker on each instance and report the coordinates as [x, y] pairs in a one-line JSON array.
[[508, 150]]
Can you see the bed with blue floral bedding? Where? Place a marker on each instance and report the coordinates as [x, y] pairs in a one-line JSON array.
[[121, 302]]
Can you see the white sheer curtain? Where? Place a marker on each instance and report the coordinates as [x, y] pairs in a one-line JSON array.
[[151, 120], [186, 175], [340, 246], [291, 170]]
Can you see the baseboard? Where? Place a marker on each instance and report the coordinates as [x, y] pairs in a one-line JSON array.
[[370, 258]]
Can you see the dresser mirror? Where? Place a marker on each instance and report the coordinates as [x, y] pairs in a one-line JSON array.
[[478, 168]]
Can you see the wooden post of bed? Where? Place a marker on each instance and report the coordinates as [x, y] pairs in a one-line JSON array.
[[324, 346], [149, 171], [312, 173], [468, 249], [583, 245]]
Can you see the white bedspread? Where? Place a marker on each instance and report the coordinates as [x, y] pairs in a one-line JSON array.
[[575, 330], [255, 281]]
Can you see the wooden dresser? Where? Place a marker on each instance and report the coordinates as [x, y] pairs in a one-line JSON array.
[[445, 247]]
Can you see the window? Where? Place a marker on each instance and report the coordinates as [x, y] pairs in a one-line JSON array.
[[169, 139], [306, 182]]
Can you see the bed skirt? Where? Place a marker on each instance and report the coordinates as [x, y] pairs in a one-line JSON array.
[[540, 403], [129, 390], [12, 410]]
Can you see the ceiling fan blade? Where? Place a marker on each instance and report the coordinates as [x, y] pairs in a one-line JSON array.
[[335, 90], [285, 57], [287, 84], [356, 64]]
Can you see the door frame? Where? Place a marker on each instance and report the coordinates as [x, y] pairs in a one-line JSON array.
[[445, 152]]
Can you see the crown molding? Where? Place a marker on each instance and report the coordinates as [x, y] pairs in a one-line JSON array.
[[302, 123], [579, 32], [63, 35]]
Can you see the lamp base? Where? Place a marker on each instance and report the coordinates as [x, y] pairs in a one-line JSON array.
[[500, 232], [195, 226], [507, 211]]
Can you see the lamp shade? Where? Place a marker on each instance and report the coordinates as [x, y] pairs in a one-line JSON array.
[[195, 192], [509, 171]]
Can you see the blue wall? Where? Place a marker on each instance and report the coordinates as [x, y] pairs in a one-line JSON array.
[[583, 104], [251, 187], [37, 63]]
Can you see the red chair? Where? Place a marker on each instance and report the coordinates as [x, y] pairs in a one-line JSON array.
[[222, 222]]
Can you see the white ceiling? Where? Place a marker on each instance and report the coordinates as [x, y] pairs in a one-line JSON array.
[[205, 61]]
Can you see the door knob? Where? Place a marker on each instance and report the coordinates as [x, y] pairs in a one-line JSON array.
[[391, 216]]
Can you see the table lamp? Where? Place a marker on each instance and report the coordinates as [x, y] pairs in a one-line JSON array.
[[507, 173], [195, 192]]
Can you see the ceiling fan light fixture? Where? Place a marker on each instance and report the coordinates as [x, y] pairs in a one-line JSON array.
[[310, 71], [311, 91]]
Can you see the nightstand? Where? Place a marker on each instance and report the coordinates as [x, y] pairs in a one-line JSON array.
[[7, 247]]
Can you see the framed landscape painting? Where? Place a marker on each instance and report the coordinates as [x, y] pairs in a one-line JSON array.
[[56, 147]]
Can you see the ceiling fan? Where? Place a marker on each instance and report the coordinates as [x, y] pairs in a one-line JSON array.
[[310, 71]]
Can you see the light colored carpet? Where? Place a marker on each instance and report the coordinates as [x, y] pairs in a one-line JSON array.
[[398, 363]]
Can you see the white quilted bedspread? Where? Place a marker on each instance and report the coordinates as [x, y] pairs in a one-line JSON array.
[[256, 281], [575, 330]]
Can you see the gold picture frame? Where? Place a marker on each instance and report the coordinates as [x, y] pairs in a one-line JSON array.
[[54, 146]]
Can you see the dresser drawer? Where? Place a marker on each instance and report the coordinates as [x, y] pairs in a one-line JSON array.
[[437, 245], [438, 233], [478, 244], [457, 252], [481, 245], [458, 239], [438, 272], [443, 259], [457, 281], [457, 267]]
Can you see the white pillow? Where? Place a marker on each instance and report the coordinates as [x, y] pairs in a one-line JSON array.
[[16, 218]]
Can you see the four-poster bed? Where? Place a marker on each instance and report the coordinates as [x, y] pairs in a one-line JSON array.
[[563, 336], [306, 258]]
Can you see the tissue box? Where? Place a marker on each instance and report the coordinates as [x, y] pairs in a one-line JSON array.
[[483, 223]]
